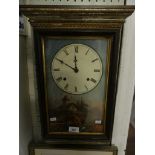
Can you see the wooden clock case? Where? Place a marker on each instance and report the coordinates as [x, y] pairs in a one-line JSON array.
[[78, 21]]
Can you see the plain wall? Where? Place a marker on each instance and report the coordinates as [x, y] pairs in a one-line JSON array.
[[25, 119], [125, 91]]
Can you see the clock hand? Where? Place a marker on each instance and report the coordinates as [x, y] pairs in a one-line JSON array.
[[59, 60], [75, 60], [62, 62], [69, 66]]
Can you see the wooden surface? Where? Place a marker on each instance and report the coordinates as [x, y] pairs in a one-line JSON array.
[[74, 2], [71, 152], [103, 22], [80, 17], [48, 149]]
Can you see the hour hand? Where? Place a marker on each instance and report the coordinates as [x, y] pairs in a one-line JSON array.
[[75, 60]]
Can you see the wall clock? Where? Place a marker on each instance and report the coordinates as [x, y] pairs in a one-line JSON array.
[[77, 66], [77, 69]]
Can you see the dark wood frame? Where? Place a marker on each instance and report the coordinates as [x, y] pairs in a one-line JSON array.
[[105, 139], [33, 146], [80, 20]]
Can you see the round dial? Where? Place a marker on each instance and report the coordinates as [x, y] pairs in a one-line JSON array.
[[76, 68]]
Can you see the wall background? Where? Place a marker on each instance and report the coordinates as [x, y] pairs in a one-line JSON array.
[[25, 119], [124, 95], [125, 87]]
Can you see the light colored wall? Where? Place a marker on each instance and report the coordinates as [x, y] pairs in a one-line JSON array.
[[25, 121], [125, 87], [33, 85]]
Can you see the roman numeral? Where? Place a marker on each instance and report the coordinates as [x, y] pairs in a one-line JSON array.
[[96, 70], [66, 86], [94, 60], [76, 49], [56, 69], [75, 89], [93, 80], [87, 52], [86, 87], [66, 52], [59, 79]]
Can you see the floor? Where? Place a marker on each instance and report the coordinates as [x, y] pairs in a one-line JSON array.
[[131, 141]]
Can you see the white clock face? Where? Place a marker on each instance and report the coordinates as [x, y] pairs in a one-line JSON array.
[[76, 68]]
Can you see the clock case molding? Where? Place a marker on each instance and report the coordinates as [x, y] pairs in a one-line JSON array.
[[42, 146], [82, 21]]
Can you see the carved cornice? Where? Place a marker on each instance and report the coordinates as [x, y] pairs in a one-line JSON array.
[[45, 16]]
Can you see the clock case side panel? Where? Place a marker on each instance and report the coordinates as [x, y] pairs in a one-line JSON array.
[[112, 86], [40, 80], [113, 80]]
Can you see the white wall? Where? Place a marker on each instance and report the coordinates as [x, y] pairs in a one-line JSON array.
[[33, 85], [125, 87], [25, 119]]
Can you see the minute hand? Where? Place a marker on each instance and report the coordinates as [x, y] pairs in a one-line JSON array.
[[65, 64], [69, 66]]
